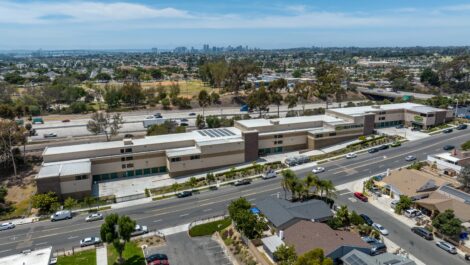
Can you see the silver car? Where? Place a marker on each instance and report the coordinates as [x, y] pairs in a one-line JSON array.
[[447, 247], [380, 228], [6, 226], [94, 217], [89, 241]]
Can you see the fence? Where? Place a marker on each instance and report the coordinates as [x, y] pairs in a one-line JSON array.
[[68, 252], [130, 197], [208, 220]]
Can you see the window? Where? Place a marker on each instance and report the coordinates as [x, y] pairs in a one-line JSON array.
[[127, 158], [193, 157], [381, 118], [130, 165], [332, 134], [154, 170], [382, 113], [81, 177], [277, 136], [278, 142], [431, 115], [278, 149], [146, 171], [123, 166], [138, 172], [127, 150], [114, 175], [175, 159], [319, 136], [163, 169], [130, 173]]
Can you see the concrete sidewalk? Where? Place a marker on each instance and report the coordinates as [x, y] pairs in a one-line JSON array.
[[101, 255], [394, 248]]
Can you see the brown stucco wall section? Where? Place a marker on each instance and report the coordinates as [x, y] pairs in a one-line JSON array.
[[369, 124], [251, 145], [440, 118], [48, 184], [318, 143]]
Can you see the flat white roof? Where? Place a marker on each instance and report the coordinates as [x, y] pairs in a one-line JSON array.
[[35, 257], [448, 157], [252, 123], [355, 111], [198, 135], [272, 242], [65, 168]]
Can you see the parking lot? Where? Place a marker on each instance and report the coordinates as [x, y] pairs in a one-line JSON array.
[[183, 250]]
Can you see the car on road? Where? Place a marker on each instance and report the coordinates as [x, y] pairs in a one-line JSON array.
[[317, 170], [66, 120], [383, 147], [184, 194], [448, 147], [410, 158], [128, 135], [192, 114], [157, 259], [411, 213], [394, 203], [462, 127], [269, 174], [7, 226], [448, 130], [351, 155], [422, 232], [94, 217], [380, 228], [90, 241], [140, 230], [446, 246], [290, 161], [361, 196], [367, 219], [373, 150], [395, 144], [50, 135], [61, 215], [158, 115], [241, 182]]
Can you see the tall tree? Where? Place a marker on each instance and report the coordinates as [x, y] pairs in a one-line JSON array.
[[204, 100], [447, 224], [311, 181], [302, 91], [314, 257], [259, 98], [117, 230], [238, 71], [288, 180], [285, 255], [464, 177], [102, 122], [10, 136], [132, 94], [112, 96], [274, 90], [329, 78]]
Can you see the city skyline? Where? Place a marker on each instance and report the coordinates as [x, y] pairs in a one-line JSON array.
[[107, 24]]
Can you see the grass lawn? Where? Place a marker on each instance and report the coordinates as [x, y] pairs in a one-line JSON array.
[[209, 228], [132, 254], [87, 257]]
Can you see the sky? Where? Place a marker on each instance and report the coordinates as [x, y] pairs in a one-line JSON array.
[[165, 24]]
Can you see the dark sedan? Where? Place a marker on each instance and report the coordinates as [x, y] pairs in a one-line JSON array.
[[184, 194]]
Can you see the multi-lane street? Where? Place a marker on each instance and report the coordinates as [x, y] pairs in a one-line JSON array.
[[173, 212]]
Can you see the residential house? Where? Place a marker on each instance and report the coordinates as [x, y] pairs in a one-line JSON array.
[[451, 163], [445, 198], [282, 213], [359, 258]]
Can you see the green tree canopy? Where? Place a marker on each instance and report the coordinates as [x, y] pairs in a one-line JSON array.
[[285, 255], [447, 224]]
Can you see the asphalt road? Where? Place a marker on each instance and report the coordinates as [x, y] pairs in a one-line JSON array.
[[173, 212]]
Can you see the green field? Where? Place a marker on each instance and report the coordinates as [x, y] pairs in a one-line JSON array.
[[132, 254], [87, 257], [210, 228]]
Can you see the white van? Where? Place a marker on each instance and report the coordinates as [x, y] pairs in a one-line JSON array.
[[61, 215], [269, 174]]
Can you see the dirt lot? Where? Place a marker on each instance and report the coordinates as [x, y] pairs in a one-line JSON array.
[[20, 190]]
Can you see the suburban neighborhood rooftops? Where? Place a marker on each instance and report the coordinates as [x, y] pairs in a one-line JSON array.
[[305, 236], [454, 193], [357, 111], [448, 156], [280, 211], [440, 202], [356, 257], [411, 182], [34, 257], [272, 243], [68, 168]]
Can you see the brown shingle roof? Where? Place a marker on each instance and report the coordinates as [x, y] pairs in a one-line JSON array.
[[408, 181], [305, 236], [440, 202]]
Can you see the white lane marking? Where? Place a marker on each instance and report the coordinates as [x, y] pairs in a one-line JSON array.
[[185, 214], [159, 220], [72, 237], [42, 243], [6, 250], [252, 199], [206, 210]]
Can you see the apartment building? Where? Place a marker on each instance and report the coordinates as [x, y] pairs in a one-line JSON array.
[[72, 170]]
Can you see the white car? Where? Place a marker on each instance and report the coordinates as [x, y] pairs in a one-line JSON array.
[[317, 170], [351, 155], [380, 228], [89, 241], [94, 217], [50, 135], [410, 158], [6, 226], [447, 247], [139, 230]]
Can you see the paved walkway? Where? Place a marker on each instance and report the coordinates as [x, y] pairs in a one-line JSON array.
[[406, 133], [101, 255]]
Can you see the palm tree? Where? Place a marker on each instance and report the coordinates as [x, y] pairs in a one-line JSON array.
[[298, 189], [288, 178], [343, 215], [327, 187], [312, 180]]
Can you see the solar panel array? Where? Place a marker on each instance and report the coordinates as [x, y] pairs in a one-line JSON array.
[[355, 260], [216, 133]]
